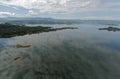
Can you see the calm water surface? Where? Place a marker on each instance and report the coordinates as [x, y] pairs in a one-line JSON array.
[[84, 53]]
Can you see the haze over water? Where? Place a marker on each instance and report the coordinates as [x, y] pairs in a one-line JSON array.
[[83, 53]]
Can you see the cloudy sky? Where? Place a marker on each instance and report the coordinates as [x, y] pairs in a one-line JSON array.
[[63, 9]]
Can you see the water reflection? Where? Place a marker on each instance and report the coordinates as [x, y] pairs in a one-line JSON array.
[[67, 54]]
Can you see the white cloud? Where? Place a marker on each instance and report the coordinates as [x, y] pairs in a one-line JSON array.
[[6, 14], [113, 6], [53, 5], [32, 13]]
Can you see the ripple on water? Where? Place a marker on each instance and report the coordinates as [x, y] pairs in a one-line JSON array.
[[59, 55]]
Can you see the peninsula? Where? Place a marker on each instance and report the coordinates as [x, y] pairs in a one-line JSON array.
[[9, 30]]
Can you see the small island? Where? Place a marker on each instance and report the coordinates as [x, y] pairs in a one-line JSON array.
[[114, 29], [9, 30]]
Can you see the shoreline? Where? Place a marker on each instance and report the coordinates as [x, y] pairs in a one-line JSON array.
[[9, 30]]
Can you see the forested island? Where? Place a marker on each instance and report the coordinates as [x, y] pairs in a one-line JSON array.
[[114, 29], [9, 30]]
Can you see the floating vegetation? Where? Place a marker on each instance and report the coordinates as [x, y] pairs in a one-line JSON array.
[[23, 46], [18, 58], [114, 29]]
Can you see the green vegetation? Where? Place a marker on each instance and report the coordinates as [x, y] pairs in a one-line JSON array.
[[8, 30], [114, 29], [23, 46]]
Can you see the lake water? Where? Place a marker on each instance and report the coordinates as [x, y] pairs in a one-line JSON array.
[[84, 53]]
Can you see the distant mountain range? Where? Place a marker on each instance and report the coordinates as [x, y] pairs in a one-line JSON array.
[[39, 20]]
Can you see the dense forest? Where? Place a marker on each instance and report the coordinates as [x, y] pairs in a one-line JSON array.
[[9, 30]]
